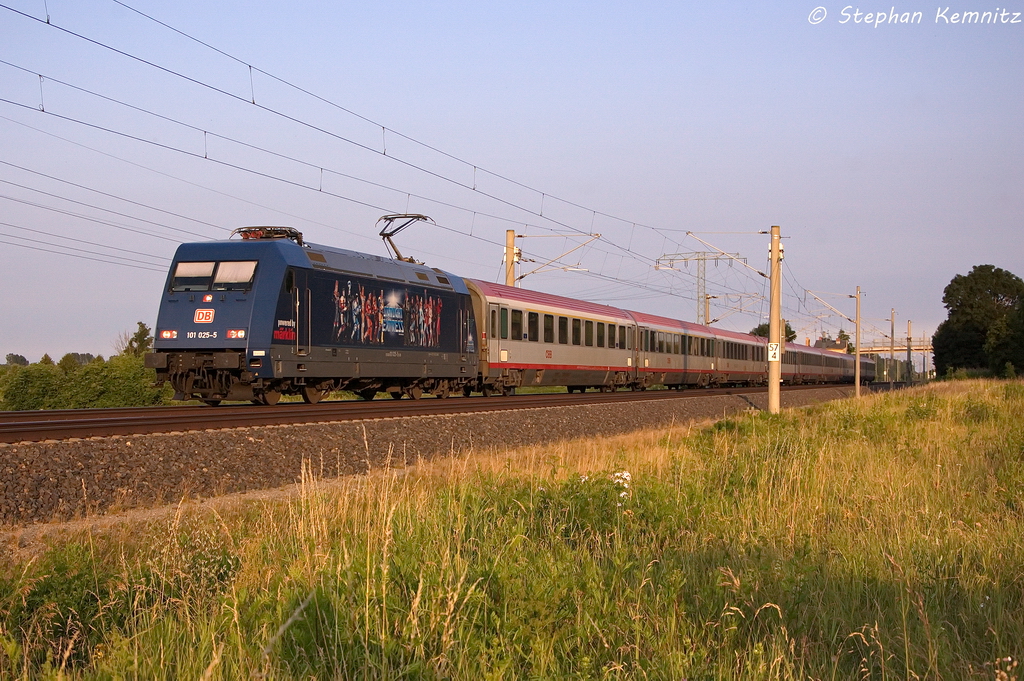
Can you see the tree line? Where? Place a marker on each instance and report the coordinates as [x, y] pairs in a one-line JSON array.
[[83, 380]]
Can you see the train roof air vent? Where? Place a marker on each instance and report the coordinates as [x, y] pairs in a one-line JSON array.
[[269, 233]]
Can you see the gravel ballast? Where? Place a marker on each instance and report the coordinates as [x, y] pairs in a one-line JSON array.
[[44, 481]]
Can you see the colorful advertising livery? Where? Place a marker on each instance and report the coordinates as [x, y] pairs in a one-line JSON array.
[[348, 311]]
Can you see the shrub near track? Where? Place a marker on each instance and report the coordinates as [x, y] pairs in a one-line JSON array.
[[879, 539]]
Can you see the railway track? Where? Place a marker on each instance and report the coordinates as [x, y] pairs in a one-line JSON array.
[[34, 426]]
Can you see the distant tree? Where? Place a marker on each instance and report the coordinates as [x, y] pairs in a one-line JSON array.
[[976, 333], [136, 344], [844, 338], [16, 360], [761, 330], [46, 360], [68, 363]]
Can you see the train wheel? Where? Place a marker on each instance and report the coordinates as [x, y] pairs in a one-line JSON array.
[[211, 403], [415, 392], [270, 397], [467, 391], [508, 390], [367, 393], [312, 394], [396, 395], [486, 390]]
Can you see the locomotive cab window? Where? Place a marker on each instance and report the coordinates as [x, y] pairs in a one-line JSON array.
[[234, 275], [192, 276]]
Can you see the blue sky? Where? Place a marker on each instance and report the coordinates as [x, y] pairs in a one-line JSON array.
[[890, 155]]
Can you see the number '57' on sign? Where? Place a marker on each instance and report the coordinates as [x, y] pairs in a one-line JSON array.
[[773, 352]]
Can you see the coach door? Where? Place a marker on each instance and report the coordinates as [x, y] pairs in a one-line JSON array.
[[302, 304], [497, 334]]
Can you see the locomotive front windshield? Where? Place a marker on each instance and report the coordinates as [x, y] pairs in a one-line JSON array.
[[229, 275]]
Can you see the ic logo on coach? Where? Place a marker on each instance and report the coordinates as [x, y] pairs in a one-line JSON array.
[[203, 317]]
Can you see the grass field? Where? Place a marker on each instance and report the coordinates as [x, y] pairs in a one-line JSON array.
[[879, 539]]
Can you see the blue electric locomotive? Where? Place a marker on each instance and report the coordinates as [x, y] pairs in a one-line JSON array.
[[269, 315]]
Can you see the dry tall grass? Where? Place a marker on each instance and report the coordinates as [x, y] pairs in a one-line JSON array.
[[879, 539]]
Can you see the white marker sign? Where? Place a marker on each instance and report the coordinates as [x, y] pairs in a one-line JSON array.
[[773, 352]]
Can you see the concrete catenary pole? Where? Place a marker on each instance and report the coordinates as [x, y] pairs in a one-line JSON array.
[[892, 346], [775, 346], [910, 355], [510, 257], [856, 370]]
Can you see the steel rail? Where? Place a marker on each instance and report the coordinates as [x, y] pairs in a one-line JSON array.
[[67, 424]]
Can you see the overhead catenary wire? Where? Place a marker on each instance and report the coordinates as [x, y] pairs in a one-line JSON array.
[[86, 217], [260, 149], [80, 257], [300, 185], [87, 242], [139, 264], [474, 166], [252, 100], [111, 196], [298, 121]]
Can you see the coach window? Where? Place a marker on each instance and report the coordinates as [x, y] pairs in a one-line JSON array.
[[622, 337], [661, 341], [504, 322], [588, 333], [611, 336], [532, 326], [549, 328], [629, 338], [192, 276], [600, 334], [563, 330], [576, 332], [494, 324], [517, 325]]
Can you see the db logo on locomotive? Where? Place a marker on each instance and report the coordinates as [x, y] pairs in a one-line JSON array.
[[203, 317]]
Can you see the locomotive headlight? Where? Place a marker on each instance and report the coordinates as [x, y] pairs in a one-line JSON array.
[[167, 334], [236, 333], [208, 298]]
